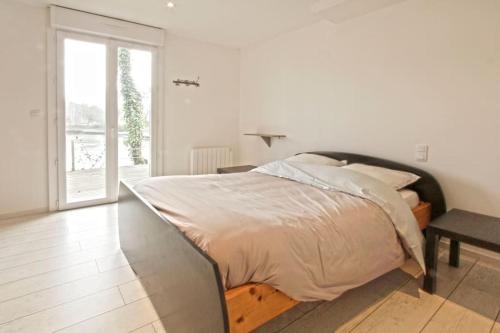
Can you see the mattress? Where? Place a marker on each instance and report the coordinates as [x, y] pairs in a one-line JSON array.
[[411, 197]]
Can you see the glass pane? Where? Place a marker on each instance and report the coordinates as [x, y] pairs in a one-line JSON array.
[[134, 114], [85, 97]]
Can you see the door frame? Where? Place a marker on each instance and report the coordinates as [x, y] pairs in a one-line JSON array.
[[57, 121]]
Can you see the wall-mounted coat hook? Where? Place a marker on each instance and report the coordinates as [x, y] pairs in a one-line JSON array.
[[187, 82]]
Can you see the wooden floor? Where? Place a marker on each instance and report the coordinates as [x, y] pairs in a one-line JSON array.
[[64, 272]]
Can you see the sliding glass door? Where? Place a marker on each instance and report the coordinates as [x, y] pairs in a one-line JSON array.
[[105, 99]]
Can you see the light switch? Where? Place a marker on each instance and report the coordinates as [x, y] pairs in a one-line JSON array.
[[421, 152]]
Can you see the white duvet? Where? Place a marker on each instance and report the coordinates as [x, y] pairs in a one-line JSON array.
[[310, 231]]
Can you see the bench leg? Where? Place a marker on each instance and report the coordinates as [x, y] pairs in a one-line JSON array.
[[454, 253], [431, 259]]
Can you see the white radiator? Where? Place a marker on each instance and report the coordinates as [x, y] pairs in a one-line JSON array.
[[206, 160]]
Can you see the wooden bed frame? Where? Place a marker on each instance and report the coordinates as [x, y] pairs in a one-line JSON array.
[[190, 296]]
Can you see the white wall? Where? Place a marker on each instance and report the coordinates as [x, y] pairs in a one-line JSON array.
[[23, 138], [423, 71], [204, 116], [193, 116]]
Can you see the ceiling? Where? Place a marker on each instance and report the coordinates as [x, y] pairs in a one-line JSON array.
[[234, 23]]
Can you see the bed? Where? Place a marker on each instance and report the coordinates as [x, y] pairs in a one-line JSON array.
[[191, 293]]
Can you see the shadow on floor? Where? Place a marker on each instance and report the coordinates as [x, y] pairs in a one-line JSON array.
[[467, 300]]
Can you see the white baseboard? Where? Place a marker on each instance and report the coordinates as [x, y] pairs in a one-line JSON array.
[[4, 218]]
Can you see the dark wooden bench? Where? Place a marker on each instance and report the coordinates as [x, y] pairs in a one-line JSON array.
[[459, 226]]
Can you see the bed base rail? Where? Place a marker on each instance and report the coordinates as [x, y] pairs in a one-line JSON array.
[[191, 296], [252, 305]]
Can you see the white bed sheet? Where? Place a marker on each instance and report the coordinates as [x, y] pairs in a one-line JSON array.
[[410, 197]]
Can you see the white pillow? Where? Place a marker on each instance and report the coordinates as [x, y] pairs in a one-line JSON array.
[[394, 178], [315, 159]]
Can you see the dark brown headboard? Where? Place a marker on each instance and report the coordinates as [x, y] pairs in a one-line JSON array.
[[427, 186]]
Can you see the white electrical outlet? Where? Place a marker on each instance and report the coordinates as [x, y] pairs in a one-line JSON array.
[[421, 153]]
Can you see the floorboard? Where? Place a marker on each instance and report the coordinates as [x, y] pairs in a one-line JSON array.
[[140, 288], [64, 293], [111, 262], [145, 329], [124, 319], [60, 262], [410, 308], [159, 327], [466, 310], [67, 314], [38, 255], [474, 304], [44, 281], [349, 309], [496, 325]]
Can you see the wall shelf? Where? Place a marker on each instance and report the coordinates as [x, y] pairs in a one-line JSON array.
[[267, 137]]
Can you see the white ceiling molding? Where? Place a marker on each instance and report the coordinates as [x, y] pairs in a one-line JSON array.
[[338, 11], [78, 21], [233, 23]]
